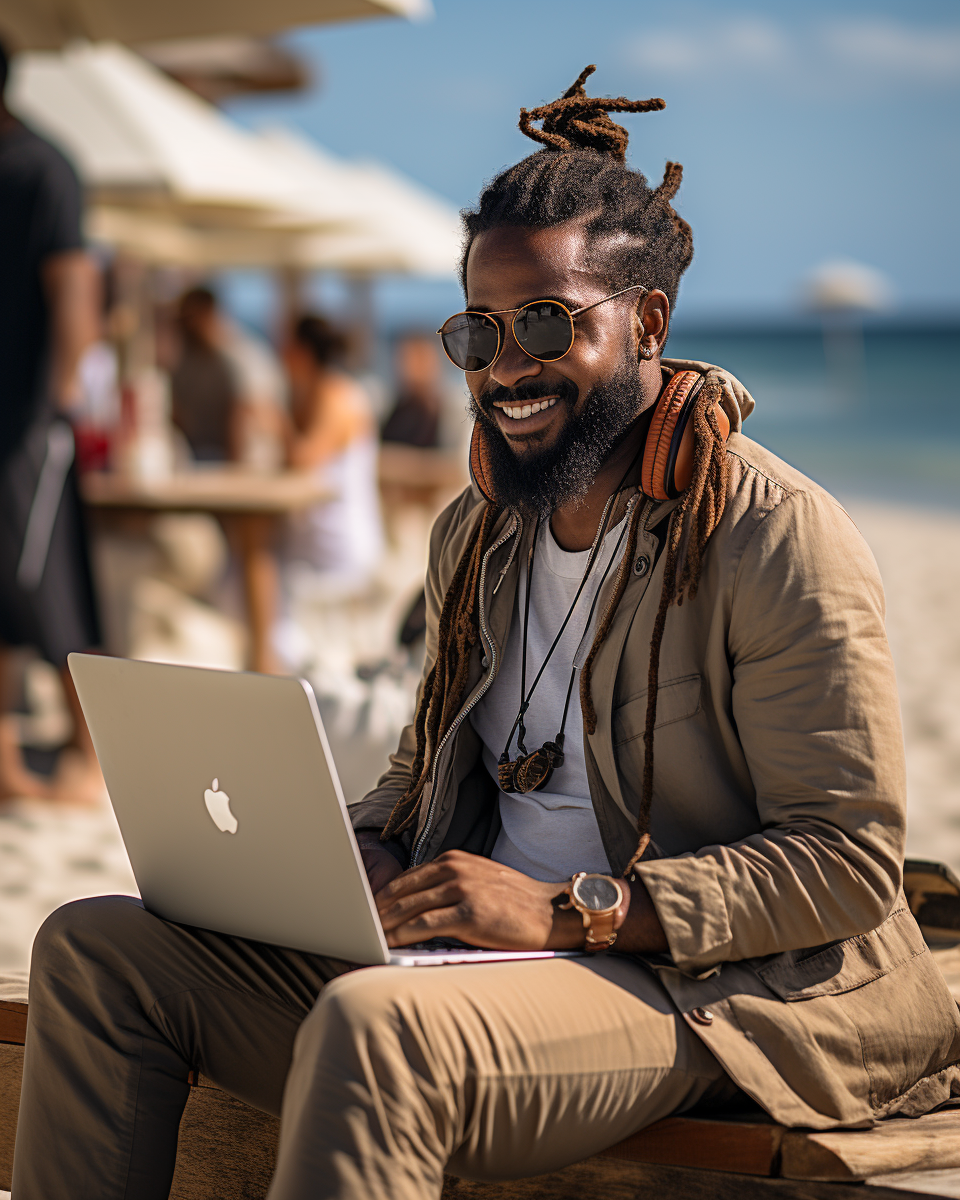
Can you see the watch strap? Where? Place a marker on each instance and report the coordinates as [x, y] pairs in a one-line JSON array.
[[601, 933]]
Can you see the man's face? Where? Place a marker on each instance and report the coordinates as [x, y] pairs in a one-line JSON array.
[[588, 398]]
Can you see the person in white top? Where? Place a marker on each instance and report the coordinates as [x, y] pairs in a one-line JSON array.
[[332, 432]]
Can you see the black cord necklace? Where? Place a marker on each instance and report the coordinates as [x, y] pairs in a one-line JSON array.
[[530, 772]]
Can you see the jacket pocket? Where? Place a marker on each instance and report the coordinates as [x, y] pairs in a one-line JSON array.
[[677, 699], [843, 966]]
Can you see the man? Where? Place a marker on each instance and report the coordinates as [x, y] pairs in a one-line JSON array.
[[228, 390], [415, 417], [767, 948], [48, 316]]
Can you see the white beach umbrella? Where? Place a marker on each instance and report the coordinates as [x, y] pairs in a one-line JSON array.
[[843, 285], [362, 216], [172, 180], [50, 24], [170, 239], [318, 188], [132, 132]]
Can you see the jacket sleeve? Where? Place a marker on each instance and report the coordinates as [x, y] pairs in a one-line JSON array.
[[373, 811], [815, 703]]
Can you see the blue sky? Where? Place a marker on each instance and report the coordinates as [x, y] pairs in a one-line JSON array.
[[807, 132]]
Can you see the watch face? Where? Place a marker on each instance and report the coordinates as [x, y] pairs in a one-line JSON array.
[[596, 893]]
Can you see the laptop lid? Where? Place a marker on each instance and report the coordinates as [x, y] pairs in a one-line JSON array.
[[229, 804]]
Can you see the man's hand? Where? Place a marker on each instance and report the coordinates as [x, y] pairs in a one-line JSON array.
[[479, 901], [379, 864]]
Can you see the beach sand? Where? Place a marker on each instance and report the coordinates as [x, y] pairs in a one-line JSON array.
[[51, 855]]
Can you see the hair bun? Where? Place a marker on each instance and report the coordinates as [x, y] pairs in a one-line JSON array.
[[580, 122]]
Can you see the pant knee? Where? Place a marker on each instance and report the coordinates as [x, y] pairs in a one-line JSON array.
[[378, 1015], [362, 1004], [83, 929]]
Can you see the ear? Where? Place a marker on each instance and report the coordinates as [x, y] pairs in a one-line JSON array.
[[652, 323]]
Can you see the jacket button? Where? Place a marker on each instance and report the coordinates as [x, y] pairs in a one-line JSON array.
[[642, 565], [702, 1016], [484, 662]]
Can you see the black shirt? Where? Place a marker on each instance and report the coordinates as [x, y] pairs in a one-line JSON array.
[[40, 213]]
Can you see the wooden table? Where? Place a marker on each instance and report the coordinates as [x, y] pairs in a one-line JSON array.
[[249, 504], [411, 475]]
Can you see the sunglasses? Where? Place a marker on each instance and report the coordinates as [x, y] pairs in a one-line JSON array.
[[543, 329]]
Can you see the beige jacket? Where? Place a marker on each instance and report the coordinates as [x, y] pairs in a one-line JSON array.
[[779, 803]]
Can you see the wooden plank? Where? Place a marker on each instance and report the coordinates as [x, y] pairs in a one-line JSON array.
[[930, 1143], [420, 467], [13, 1022], [11, 1072], [932, 1183], [207, 489], [612, 1179], [225, 1148], [749, 1148]]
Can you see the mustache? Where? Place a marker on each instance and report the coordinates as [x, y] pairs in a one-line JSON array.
[[528, 393]]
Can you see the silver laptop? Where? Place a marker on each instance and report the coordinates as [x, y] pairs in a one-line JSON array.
[[231, 811]]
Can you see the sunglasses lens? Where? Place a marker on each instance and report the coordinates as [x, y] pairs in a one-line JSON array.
[[544, 330], [471, 340]]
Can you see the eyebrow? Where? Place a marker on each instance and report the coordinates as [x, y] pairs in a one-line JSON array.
[[564, 300]]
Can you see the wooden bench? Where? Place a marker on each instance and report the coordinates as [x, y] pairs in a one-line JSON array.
[[227, 1149]]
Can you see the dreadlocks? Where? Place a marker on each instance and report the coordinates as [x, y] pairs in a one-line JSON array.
[[581, 175]]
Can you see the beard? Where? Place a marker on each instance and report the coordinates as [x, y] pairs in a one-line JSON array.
[[539, 480]]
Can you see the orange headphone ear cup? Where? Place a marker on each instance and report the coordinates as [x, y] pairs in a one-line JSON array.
[[478, 458], [668, 452]]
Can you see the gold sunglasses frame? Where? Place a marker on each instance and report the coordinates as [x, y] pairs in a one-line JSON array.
[[571, 314]]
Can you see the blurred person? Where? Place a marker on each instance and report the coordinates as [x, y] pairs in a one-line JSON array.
[[204, 388], [96, 414], [227, 387], [48, 316], [332, 432], [416, 414], [726, 812]]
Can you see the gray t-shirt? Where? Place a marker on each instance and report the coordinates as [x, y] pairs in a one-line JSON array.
[[552, 833]]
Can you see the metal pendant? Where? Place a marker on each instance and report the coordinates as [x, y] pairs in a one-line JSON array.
[[530, 772]]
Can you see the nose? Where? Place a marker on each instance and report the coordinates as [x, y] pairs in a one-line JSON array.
[[513, 365]]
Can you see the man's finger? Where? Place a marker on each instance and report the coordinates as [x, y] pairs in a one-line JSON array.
[[401, 909], [418, 879], [438, 922]]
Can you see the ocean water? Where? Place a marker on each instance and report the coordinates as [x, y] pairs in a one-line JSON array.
[[869, 411]]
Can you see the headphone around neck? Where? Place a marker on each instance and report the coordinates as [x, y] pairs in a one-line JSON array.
[[667, 465]]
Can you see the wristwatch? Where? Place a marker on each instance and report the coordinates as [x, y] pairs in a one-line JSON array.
[[597, 898]]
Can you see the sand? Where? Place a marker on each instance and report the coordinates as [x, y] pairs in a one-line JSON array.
[[51, 855]]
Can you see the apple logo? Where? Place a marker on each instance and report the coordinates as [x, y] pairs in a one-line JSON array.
[[218, 806]]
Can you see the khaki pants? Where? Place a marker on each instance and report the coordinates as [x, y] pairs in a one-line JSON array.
[[383, 1076]]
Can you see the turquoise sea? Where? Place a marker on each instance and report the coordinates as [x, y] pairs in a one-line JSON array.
[[869, 411]]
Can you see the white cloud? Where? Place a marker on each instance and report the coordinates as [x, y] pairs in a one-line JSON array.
[[866, 53], [740, 42], [903, 51]]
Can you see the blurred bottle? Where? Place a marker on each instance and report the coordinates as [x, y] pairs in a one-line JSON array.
[[143, 449], [96, 415]]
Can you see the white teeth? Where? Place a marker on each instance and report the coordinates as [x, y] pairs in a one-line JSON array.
[[517, 413]]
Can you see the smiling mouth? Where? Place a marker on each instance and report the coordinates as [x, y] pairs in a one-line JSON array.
[[520, 412]]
